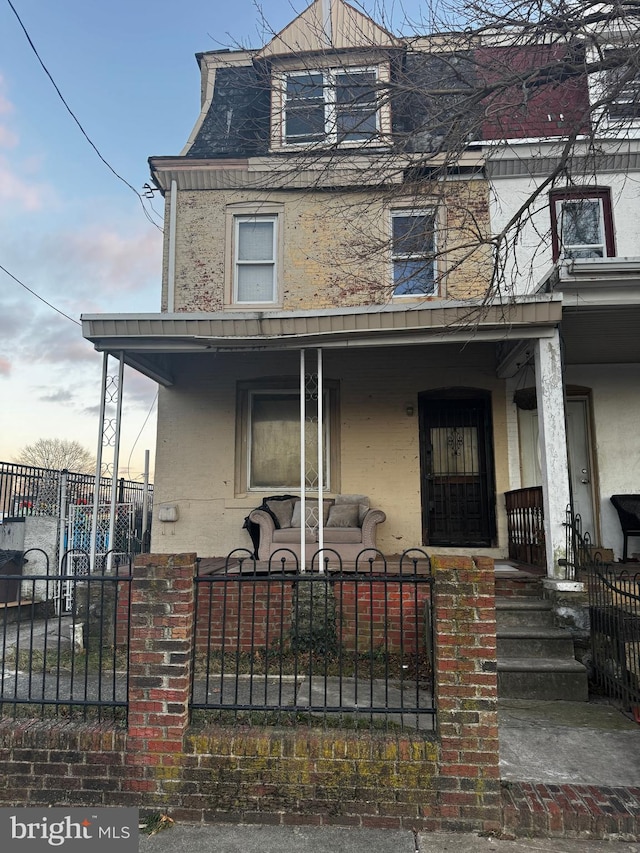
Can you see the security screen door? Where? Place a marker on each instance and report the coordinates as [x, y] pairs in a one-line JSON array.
[[458, 495]]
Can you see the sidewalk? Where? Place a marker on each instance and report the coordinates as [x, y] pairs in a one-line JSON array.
[[334, 839], [568, 769]]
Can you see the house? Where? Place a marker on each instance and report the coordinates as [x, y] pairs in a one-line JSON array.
[[329, 314]]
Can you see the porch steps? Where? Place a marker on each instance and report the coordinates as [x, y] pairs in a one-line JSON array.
[[535, 658]]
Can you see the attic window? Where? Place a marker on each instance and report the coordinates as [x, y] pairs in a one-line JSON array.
[[335, 106]]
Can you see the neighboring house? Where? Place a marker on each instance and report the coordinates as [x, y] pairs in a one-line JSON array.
[[306, 254]]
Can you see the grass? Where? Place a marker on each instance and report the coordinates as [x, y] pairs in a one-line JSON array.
[[94, 661], [375, 664]]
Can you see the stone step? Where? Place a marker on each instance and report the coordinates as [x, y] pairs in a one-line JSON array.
[[513, 612], [534, 641], [542, 678]]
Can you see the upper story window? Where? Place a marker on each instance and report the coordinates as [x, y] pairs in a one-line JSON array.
[[413, 249], [581, 224], [331, 106], [255, 253], [622, 85]]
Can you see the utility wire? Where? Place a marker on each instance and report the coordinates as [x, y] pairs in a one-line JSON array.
[[76, 120], [140, 433], [37, 295]]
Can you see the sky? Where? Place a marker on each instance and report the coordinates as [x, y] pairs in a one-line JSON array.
[[72, 231]]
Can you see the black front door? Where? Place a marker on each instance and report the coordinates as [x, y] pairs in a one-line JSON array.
[[458, 495]]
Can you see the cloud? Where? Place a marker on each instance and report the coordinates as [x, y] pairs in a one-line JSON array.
[[15, 191], [60, 396], [6, 107], [8, 139], [5, 367], [115, 261]]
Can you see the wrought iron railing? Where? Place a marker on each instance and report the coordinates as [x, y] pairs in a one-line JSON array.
[[614, 610], [26, 490], [350, 645], [65, 643], [525, 526]]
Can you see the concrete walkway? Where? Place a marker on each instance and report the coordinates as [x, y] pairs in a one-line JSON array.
[[333, 839]]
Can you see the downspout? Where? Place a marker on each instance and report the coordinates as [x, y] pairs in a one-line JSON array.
[[171, 271], [320, 461], [303, 465], [145, 502]]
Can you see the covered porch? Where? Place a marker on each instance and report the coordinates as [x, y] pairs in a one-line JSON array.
[[404, 406]]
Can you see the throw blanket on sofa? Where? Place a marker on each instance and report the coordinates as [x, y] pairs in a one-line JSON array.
[[253, 529]]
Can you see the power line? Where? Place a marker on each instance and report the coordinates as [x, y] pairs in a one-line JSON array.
[[140, 433], [76, 120], [37, 295]]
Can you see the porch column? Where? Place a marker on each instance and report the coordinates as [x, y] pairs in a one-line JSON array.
[[553, 450]]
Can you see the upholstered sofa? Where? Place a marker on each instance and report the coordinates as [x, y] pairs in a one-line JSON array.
[[349, 526]]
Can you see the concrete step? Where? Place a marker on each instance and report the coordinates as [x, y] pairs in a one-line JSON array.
[[513, 612], [534, 641], [542, 678]]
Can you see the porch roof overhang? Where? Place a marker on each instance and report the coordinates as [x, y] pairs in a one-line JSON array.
[[148, 341], [601, 309]]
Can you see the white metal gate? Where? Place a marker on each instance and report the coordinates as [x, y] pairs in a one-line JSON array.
[[78, 541]]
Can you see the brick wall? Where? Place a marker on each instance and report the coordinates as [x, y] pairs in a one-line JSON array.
[[248, 618], [270, 775]]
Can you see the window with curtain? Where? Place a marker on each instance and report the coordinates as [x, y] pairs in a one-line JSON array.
[[255, 274], [273, 455]]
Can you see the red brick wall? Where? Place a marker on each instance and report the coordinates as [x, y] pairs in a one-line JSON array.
[[260, 613], [242, 619], [392, 612], [302, 775]]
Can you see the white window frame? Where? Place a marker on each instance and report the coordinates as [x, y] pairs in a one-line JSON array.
[[566, 249], [558, 197], [327, 455], [331, 108], [239, 218], [400, 257]]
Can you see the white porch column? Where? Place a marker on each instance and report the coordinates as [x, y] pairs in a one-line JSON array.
[[553, 450]]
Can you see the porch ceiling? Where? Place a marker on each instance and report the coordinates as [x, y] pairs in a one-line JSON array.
[[601, 334], [148, 340]]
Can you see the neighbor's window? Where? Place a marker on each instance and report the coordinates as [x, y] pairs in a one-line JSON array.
[[413, 247], [335, 105], [582, 224], [273, 453], [255, 274], [622, 84]]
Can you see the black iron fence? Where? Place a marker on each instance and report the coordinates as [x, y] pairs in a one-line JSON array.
[[345, 644], [26, 490], [65, 643], [614, 610]]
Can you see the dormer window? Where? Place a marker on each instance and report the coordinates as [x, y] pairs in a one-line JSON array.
[[335, 106]]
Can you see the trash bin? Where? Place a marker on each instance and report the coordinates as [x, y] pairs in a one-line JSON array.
[[10, 564]]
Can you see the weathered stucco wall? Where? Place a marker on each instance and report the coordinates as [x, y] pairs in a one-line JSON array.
[[615, 399], [533, 259], [379, 441], [334, 247]]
